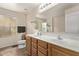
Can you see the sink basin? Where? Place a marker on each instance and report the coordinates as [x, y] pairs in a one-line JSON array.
[[51, 38], [47, 37]]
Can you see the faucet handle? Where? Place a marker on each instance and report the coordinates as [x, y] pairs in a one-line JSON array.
[[59, 37]]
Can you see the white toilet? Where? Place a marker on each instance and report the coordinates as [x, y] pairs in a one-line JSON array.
[[21, 44]]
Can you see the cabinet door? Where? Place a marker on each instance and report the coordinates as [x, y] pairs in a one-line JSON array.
[[34, 52], [57, 52], [40, 54], [34, 43], [42, 50], [34, 40], [49, 49], [60, 51], [34, 47], [43, 44], [28, 45]]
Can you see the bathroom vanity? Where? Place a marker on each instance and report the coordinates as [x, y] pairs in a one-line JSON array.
[[49, 46]]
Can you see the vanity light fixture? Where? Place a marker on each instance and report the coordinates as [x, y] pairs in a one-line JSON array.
[[44, 5]]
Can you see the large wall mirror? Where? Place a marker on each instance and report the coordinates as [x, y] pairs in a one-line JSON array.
[[41, 24]]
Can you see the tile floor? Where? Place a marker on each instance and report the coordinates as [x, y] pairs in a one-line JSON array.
[[12, 51]]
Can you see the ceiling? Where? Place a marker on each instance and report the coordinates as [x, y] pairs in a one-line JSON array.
[[31, 7], [20, 7], [58, 9]]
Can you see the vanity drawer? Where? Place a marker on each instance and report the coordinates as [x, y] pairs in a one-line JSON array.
[[40, 54], [34, 45], [28, 40], [42, 50], [57, 50], [34, 40], [34, 52], [43, 44], [27, 37]]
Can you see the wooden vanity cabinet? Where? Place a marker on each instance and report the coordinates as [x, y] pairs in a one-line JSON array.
[[37, 47]]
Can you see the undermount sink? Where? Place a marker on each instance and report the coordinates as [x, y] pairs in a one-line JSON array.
[[48, 37]]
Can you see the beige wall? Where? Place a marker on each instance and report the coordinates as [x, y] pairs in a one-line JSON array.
[[18, 17], [72, 19], [59, 23]]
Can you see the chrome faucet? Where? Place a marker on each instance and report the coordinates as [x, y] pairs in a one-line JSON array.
[[59, 37], [39, 33]]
